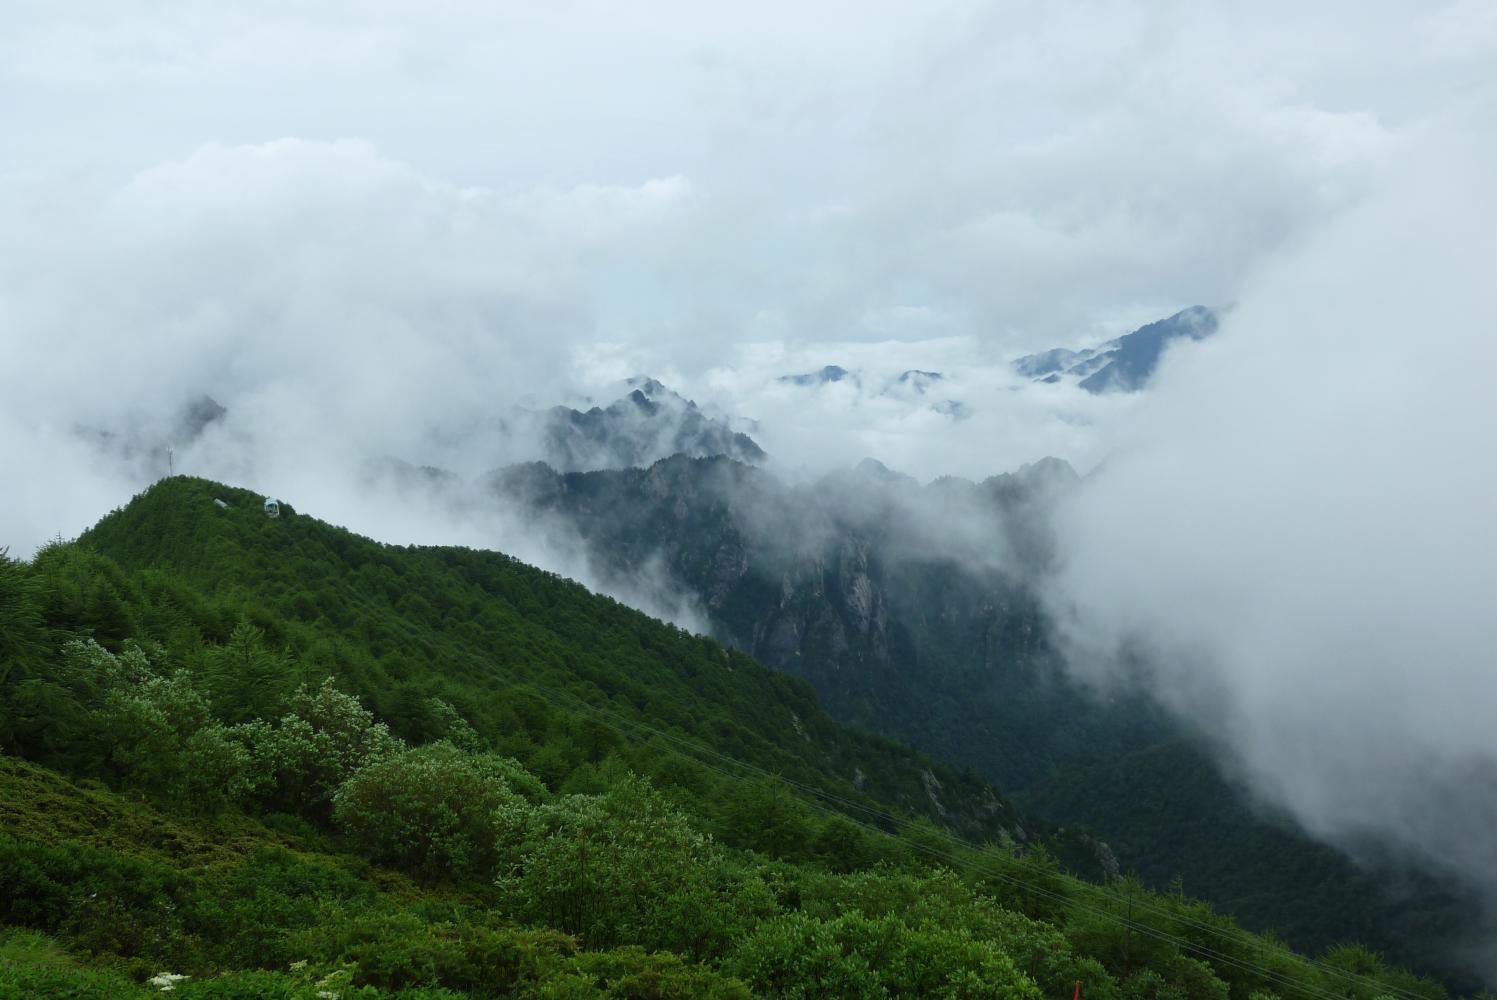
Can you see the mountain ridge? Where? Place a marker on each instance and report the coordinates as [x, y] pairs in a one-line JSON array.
[[912, 610], [506, 785], [1125, 364]]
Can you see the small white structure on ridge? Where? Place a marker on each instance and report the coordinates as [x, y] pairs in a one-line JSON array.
[[272, 507]]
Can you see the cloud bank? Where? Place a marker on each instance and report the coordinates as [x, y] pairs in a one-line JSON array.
[[542, 199], [1295, 532], [346, 308]]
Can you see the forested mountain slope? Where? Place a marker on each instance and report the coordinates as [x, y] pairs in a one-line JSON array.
[[554, 797], [908, 608], [913, 611], [400, 625]]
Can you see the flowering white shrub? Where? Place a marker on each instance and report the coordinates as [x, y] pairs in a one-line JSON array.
[[166, 981], [452, 727], [322, 740], [153, 723]]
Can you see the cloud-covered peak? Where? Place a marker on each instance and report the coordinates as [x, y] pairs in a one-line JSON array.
[[1122, 365], [828, 374], [646, 424]]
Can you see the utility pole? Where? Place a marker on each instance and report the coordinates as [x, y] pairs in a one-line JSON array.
[[171, 464]]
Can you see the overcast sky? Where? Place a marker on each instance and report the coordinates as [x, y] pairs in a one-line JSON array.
[[357, 224], [372, 216], [1019, 172]]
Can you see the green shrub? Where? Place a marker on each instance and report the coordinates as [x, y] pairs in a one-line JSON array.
[[634, 974], [250, 913], [99, 900], [940, 899], [323, 739], [39, 981], [625, 867], [250, 985], [398, 950], [797, 956], [434, 811]]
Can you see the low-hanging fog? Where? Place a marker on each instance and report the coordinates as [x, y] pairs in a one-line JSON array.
[[372, 230], [1295, 530]]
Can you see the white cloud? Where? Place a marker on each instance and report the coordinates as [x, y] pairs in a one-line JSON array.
[[1004, 420], [340, 304], [1297, 525], [1032, 171]]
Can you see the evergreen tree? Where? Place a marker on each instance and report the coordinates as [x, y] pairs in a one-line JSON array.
[[248, 680]]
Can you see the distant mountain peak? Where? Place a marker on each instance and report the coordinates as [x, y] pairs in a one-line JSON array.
[[1122, 365], [649, 386], [648, 422], [148, 441], [919, 379], [198, 413], [909, 385], [830, 373]]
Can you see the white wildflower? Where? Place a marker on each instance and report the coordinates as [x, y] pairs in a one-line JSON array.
[[166, 981], [334, 984]]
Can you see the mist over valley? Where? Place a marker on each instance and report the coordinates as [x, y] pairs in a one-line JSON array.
[[851, 451]]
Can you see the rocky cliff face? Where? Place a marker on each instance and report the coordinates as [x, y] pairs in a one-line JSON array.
[[907, 607]]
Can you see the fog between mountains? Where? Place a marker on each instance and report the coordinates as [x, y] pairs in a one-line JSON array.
[[1295, 525], [1293, 541]]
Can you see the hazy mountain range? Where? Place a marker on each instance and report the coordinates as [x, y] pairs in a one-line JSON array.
[[1122, 365], [645, 424], [913, 610]]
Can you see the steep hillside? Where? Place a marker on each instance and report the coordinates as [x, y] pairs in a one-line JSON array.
[[1169, 811], [400, 625], [911, 610], [557, 797], [906, 607]]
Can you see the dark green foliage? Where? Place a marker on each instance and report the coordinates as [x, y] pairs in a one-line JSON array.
[[247, 680], [634, 974], [22, 641], [255, 908], [485, 627], [434, 811], [396, 950], [324, 738], [621, 867], [556, 771], [934, 637], [1171, 813], [27, 980], [797, 956], [102, 900]]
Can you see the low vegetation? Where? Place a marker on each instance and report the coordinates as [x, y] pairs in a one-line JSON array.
[[250, 759]]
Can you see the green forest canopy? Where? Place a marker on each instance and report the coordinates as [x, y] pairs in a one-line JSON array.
[[280, 760]]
